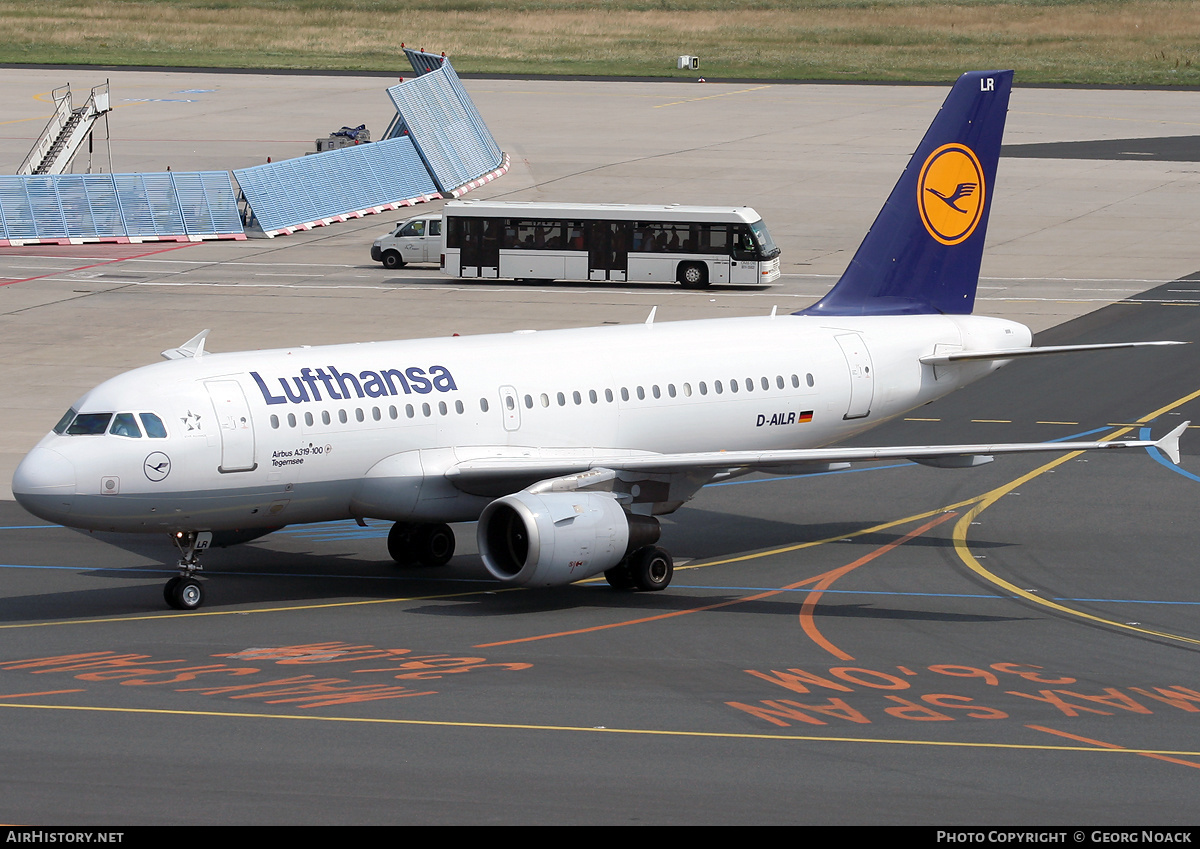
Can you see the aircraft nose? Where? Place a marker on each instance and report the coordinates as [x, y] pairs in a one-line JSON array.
[[44, 484]]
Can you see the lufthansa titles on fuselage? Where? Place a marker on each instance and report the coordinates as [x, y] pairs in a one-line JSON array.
[[338, 385]]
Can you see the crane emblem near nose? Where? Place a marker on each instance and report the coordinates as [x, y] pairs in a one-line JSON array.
[[157, 466]]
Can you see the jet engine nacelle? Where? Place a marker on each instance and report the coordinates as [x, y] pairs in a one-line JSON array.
[[554, 538]]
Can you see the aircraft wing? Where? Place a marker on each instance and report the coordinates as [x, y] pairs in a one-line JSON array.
[[488, 472]]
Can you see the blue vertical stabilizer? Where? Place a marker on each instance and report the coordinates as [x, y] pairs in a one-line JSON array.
[[922, 254]]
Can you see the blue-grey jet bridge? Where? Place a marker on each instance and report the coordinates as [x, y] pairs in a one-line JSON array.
[[437, 146]]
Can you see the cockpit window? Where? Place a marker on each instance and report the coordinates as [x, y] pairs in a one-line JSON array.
[[61, 427], [154, 426], [124, 424], [87, 424]]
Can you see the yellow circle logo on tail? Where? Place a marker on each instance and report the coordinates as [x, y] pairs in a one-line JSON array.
[[950, 193]]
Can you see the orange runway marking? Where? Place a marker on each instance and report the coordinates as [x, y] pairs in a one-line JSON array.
[[1104, 745], [808, 623], [825, 579], [642, 621], [46, 693]]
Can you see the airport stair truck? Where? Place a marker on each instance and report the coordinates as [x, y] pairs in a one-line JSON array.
[[68, 127]]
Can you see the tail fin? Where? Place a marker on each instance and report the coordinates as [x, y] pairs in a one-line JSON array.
[[922, 254]]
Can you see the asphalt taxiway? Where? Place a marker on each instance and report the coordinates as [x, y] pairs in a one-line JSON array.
[[1015, 643]]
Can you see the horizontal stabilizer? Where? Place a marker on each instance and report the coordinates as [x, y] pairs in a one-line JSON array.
[[1015, 353]]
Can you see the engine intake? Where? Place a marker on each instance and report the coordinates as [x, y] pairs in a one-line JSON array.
[[556, 538]]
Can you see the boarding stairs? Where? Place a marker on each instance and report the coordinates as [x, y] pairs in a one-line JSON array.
[[68, 127]]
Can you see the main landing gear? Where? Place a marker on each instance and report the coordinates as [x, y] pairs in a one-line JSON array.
[[185, 592], [412, 544], [649, 569]]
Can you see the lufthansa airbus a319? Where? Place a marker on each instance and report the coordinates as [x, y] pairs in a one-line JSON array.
[[563, 445]]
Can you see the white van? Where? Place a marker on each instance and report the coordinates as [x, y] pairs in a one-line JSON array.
[[414, 240]]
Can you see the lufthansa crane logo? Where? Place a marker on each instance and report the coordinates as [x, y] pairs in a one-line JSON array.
[[950, 193], [157, 466]]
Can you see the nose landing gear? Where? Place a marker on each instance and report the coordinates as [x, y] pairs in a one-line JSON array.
[[185, 592]]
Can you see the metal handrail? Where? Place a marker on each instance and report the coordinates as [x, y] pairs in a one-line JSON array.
[[62, 114]]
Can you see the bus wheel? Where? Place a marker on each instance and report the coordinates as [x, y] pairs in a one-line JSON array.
[[693, 275], [392, 259]]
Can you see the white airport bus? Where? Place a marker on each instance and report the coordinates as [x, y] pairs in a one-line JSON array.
[[694, 245]]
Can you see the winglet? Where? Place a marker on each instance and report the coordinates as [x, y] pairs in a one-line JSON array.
[[193, 347], [1169, 444]]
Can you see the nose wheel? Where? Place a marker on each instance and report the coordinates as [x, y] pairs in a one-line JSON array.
[[185, 592]]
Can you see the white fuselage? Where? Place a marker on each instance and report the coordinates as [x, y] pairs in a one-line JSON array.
[[267, 438]]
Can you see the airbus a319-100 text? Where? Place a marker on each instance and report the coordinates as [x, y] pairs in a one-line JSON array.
[[563, 445]]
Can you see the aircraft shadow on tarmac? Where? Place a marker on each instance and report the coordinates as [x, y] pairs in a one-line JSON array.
[[278, 574]]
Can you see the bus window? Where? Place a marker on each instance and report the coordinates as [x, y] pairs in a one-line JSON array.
[[766, 245], [714, 238], [745, 248], [528, 235]]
